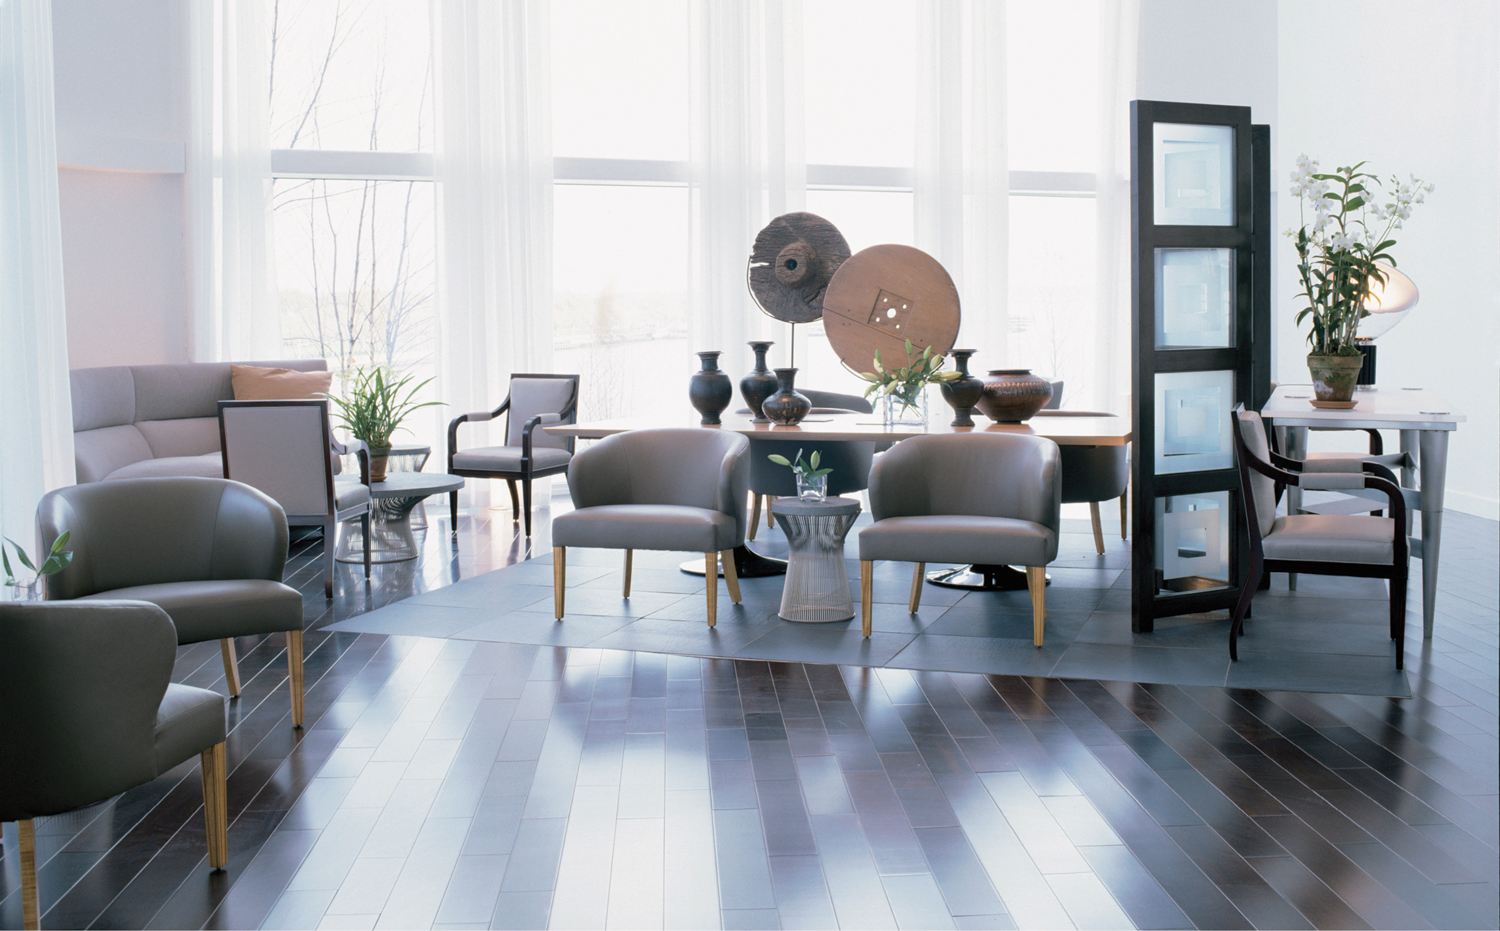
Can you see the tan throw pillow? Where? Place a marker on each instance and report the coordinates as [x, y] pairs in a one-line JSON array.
[[254, 383]]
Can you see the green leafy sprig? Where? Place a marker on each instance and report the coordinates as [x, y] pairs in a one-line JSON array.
[[57, 560], [905, 384], [808, 470], [376, 403]]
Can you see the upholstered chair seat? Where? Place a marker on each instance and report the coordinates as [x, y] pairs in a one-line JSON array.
[[206, 466], [658, 490], [214, 609], [91, 711], [508, 458]]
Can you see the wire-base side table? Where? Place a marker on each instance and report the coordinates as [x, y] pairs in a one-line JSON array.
[[816, 590]]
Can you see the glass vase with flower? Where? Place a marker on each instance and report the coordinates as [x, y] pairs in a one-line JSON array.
[[901, 393], [812, 482]]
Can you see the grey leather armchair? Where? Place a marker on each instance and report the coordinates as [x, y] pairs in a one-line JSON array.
[[1321, 544], [965, 498], [658, 490], [90, 712], [529, 452], [850, 461], [1093, 473], [208, 551], [282, 448]]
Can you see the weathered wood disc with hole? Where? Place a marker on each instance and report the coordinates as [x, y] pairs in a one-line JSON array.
[[884, 296], [792, 261]]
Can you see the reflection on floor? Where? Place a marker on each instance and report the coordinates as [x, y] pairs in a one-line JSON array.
[[466, 783]]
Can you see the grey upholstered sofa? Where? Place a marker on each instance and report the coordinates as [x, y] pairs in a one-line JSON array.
[[143, 421]]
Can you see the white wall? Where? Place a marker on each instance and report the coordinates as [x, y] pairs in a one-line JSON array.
[[1415, 89], [122, 103]]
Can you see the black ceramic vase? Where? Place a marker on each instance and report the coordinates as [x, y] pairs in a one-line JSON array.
[[964, 392], [786, 407], [760, 383], [1014, 395], [710, 390]]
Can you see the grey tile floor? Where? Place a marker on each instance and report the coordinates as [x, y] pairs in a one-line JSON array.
[[1328, 636]]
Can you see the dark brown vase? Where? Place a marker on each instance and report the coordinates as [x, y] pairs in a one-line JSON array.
[[1014, 395], [710, 390], [760, 383], [963, 393], [786, 407]]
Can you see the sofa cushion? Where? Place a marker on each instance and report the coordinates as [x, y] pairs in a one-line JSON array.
[[102, 397], [191, 436], [206, 466], [256, 383], [97, 453], [172, 392]]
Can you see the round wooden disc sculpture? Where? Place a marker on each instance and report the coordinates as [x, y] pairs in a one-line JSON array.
[[884, 296], [791, 264]]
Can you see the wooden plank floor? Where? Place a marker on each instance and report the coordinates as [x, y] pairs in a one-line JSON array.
[[464, 784]]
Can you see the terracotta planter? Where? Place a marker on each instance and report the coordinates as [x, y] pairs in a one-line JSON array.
[[1014, 395], [379, 457], [1334, 377]]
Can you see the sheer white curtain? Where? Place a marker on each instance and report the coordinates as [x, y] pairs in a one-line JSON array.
[[36, 411], [962, 186], [1119, 40], [236, 311], [494, 174], [748, 165]]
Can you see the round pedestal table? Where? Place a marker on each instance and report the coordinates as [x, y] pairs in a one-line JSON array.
[[817, 581], [391, 538]]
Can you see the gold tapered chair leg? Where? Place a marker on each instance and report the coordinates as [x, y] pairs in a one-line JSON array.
[[770, 499], [754, 516], [711, 585], [294, 666], [866, 592], [1098, 527], [559, 578], [231, 666], [29, 915], [629, 554], [918, 575], [1036, 581], [215, 805], [731, 575], [1124, 512]]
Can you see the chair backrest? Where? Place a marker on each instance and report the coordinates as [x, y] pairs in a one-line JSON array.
[[694, 468], [1250, 440], [80, 683], [531, 395], [979, 474], [837, 401], [148, 531], [281, 448]]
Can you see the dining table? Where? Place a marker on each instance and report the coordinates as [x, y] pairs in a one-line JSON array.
[[1424, 421], [1065, 428]]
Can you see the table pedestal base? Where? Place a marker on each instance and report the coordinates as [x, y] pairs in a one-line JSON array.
[[748, 564], [391, 538], [981, 578]]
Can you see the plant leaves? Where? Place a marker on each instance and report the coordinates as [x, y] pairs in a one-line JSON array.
[[21, 554]]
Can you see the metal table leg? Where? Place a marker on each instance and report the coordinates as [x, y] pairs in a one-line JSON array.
[[1434, 466]]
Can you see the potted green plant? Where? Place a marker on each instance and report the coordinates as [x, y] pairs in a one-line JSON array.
[[812, 482], [901, 392], [1336, 256], [57, 560], [374, 404]]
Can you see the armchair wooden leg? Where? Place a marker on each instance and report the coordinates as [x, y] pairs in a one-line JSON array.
[[559, 578], [1398, 618], [628, 555], [866, 593], [711, 585], [294, 666], [330, 547], [731, 577], [1242, 608], [1098, 527], [770, 524], [1036, 581], [29, 914], [526, 500], [231, 666], [515, 502], [1124, 512], [918, 576], [754, 516], [453, 512], [215, 805], [365, 525]]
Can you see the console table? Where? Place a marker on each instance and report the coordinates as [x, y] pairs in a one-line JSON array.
[[1424, 420]]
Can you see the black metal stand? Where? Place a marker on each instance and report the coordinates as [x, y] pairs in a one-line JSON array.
[[748, 564], [981, 578]]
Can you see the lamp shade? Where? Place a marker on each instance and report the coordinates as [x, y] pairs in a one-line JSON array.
[[1389, 303]]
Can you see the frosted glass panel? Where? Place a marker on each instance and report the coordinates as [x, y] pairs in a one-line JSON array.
[[1194, 298], [1192, 421], [1193, 174], [1192, 541]]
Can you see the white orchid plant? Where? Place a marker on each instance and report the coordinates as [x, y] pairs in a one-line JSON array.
[[1352, 221]]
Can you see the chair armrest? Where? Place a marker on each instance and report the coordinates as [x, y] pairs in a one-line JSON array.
[[475, 417], [1331, 481], [361, 451], [531, 425]]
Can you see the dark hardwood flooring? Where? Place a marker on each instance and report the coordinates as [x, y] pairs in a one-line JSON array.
[[447, 783]]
